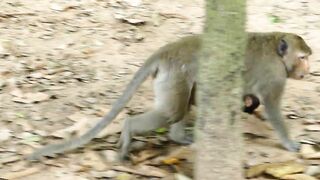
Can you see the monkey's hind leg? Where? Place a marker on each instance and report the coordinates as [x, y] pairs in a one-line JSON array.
[[139, 124], [172, 93], [178, 133]]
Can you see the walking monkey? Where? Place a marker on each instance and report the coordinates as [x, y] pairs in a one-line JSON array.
[[270, 58]]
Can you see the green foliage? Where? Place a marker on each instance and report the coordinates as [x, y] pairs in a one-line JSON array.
[[275, 18], [20, 115], [161, 130]]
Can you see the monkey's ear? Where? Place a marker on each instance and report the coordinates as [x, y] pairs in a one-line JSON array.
[[282, 48]]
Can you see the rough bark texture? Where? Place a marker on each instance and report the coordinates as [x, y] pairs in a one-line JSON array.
[[218, 133]]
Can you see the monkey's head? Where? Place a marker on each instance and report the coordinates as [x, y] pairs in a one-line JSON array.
[[251, 103], [294, 53]]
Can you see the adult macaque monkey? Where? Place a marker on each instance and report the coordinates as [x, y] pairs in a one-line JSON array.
[[174, 69], [270, 58]]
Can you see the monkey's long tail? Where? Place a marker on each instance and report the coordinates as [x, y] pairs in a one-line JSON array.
[[131, 88]]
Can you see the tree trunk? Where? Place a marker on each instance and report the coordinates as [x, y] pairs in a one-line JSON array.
[[218, 133]]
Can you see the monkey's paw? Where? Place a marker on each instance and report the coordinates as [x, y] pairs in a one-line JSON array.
[[292, 146], [186, 140]]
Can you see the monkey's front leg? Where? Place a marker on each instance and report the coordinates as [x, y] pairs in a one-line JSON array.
[[272, 108]]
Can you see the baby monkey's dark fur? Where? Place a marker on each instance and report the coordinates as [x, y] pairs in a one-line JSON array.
[[251, 103]]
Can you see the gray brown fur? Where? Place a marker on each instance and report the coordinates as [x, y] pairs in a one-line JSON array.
[[174, 68]]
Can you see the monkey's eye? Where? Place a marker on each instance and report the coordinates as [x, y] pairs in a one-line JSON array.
[[302, 57]]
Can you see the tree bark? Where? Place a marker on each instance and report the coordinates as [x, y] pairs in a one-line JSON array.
[[218, 132]]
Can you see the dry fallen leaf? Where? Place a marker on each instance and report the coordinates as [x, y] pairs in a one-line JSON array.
[[181, 177], [134, 3], [79, 127], [9, 159], [124, 176], [278, 169], [114, 127], [110, 156], [5, 134], [62, 7], [144, 155], [281, 169], [298, 177], [77, 116], [257, 170], [128, 19], [313, 156], [313, 127], [21, 100], [16, 92], [9, 47], [170, 161], [313, 170], [4, 50], [92, 159], [29, 139], [25, 124], [307, 151], [180, 153], [315, 73], [105, 174], [310, 121], [28, 98], [56, 7], [152, 171], [142, 170], [21, 174], [293, 115], [19, 166]]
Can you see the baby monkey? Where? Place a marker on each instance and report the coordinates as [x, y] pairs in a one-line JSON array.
[[270, 59], [251, 103]]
